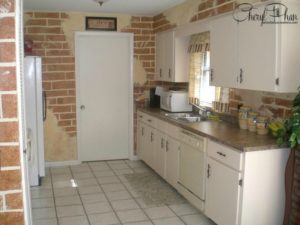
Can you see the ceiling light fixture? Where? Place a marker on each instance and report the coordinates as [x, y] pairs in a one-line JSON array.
[[100, 2]]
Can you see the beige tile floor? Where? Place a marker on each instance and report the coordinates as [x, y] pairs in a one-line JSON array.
[[98, 193]]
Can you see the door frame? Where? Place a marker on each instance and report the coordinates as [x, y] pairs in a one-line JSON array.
[[131, 155], [22, 141]]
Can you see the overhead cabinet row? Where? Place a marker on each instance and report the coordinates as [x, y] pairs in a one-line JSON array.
[[247, 54]]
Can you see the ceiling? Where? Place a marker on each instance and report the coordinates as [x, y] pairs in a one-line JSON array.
[[132, 7]]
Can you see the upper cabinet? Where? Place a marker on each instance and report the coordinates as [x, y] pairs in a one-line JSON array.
[[255, 56], [171, 57], [223, 44]]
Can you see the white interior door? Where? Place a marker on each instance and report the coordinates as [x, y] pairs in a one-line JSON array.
[[104, 95]]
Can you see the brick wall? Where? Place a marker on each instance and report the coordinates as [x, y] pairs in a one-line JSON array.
[[11, 206], [50, 42]]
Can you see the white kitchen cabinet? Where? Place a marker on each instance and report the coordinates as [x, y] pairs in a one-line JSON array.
[[245, 188], [223, 52], [171, 57], [142, 140], [146, 138], [222, 193], [158, 147], [165, 55], [160, 153], [264, 56], [172, 161], [150, 146]]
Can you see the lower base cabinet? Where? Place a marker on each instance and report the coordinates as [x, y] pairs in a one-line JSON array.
[[160, 154], [222, 193], [159, 150], [172, 161], [245, 188]]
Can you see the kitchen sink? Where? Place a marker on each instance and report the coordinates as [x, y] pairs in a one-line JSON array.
[[185, 117]]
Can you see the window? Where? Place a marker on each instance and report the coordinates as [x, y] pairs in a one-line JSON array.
[[199, 90]]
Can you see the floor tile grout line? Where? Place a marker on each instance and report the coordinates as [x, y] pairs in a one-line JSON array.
[[133, 196], [77, 190], [177, 215], [53, 196], [109, 202]]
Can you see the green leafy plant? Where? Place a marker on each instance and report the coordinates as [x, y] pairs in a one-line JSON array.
[[289, 134]]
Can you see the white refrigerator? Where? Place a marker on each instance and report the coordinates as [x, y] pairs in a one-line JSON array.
[[35, 114]]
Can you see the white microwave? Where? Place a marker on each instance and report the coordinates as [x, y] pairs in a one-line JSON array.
[[175, 101]]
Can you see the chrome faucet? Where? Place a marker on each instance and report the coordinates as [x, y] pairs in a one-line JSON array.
[[204, 111]]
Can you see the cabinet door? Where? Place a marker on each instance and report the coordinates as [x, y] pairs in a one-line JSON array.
[[142, 141], [165, 56], [172, 161], [139, 138], [159, 56], [169, 56], [224, 59], [257, 54], [160, 154], [149, 146], [222, 193]]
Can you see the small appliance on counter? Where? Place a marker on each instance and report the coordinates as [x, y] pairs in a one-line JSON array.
[[175, 101], [154, 99]]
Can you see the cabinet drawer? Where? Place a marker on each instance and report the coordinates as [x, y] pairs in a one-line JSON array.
[[161, 126], [225, 155], [147, 119], [174, 131]]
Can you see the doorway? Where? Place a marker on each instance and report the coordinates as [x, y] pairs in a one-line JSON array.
[[104, 90]]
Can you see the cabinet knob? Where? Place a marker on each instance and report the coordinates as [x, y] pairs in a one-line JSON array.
[[82, 107]]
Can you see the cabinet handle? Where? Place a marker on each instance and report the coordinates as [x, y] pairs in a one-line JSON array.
[[151, 137], [208, 171], [241, 75], [167, 146], [160, 72], [141, 116], [162, 143], [142, 131], [221, 154], [211, 75], [169, 73], [149, 121]]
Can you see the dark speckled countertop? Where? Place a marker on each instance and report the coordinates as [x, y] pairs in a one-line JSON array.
[[221, 132]]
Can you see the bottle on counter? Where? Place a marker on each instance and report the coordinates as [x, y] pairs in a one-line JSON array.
[[262, 125], [252, 119], [243, 117]]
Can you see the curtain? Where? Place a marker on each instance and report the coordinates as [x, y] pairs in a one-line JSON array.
[[196, 60], [199, 43]]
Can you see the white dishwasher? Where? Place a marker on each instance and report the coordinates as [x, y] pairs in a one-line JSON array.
[[192, 168]]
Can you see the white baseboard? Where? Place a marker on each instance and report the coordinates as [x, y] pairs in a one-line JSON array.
[[134, 158], [62, 163]]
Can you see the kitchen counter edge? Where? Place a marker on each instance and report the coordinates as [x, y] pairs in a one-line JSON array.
[[221, 132]]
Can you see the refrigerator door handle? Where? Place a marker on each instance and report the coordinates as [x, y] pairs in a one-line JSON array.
[[44, 106]]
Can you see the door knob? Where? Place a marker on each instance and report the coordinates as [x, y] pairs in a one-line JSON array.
[[82, 107]]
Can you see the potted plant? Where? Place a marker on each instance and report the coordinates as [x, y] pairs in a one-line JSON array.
[[289, 135]]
